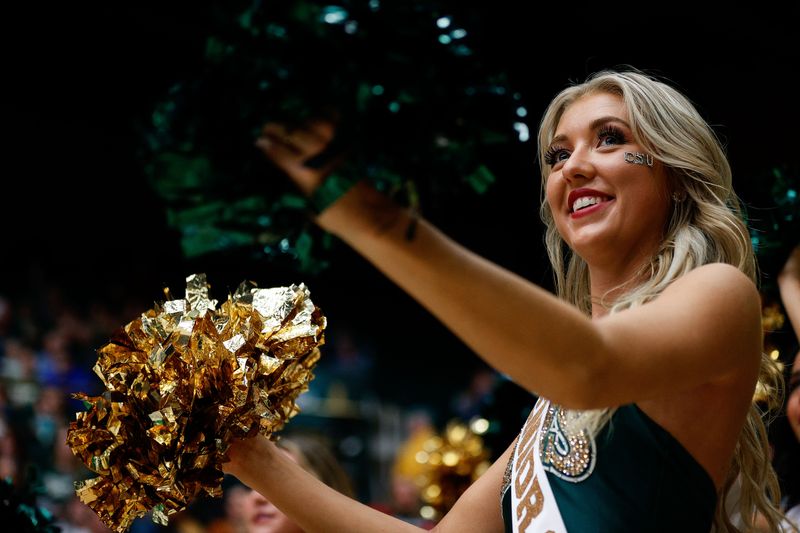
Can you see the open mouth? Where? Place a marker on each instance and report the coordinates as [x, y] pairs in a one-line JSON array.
[[587, 202]]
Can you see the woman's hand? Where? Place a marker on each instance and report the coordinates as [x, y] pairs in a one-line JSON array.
[[245, 454], [290, 150], [308, 155]]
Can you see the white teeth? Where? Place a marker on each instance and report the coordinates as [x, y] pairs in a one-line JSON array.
[[585, 201]]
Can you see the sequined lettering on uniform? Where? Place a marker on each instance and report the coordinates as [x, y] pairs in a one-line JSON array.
[[524, 454], [534, 502], [526, 486], [570, 457]]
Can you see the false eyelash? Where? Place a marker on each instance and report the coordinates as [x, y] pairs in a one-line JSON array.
[[550, 154], [612, 131]]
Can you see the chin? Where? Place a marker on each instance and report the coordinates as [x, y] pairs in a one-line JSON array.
[[275, 525], [260, 526]]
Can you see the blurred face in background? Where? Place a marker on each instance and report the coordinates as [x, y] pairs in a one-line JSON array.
[[260, 516]]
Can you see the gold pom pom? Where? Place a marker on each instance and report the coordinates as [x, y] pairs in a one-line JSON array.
[[182, 381], [450, 463], [772, 318]]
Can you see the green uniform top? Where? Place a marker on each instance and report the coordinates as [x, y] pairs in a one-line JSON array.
[[640, 480]]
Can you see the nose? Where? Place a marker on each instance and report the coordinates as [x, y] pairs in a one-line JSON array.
[[257, 499], [270, 506], [578, 166]]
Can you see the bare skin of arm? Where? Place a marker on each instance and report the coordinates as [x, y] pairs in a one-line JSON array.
[[789, 286], [699, 330], [322, 509]]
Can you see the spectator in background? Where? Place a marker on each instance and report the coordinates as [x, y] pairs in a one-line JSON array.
[[344, 376], [78, 517], [18, 371], [65, 468], [472, 401], [48, 415], [260, 516], [8, 450], [56, 363]]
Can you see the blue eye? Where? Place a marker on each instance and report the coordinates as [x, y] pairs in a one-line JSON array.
[[608, 135], [611, 135], [555, 154]]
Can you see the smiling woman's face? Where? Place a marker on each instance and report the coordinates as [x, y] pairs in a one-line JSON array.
[[603, 204]]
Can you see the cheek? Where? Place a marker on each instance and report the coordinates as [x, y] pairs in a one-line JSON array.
[[554, 195], [283, 524], [647, 194], [248, 506], [662, 206], [556, 207]]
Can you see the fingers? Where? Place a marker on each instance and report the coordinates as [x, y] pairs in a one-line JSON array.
[[291, 148], [323, 129], [285, 150], [290, 160], [305, 141], [279, 150]]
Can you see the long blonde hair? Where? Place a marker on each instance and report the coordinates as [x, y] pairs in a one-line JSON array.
[[706, 226]]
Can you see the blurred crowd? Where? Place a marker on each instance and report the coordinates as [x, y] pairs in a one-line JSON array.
[[47, 352]]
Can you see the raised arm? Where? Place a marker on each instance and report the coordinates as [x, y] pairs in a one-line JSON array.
[[315, 507], [701, 329], [789, 286], [697, 331]]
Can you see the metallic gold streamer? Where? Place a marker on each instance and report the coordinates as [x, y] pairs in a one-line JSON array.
[[450, 463], [182, 381]]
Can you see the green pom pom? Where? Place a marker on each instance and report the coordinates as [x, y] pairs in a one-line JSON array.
[[419, 113], [333, 188]]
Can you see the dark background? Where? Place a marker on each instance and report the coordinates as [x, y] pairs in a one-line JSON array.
[[77, 212]]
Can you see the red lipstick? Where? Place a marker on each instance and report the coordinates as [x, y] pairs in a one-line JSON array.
[[586, 192]]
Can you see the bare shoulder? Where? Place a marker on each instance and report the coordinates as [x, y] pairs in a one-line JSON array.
[[720, 284], [705, 328], [725, 303]]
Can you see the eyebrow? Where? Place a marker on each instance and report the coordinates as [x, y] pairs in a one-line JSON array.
[[596, 123]]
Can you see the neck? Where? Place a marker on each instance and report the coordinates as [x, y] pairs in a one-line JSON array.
[[612, 273], [607, 285]]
